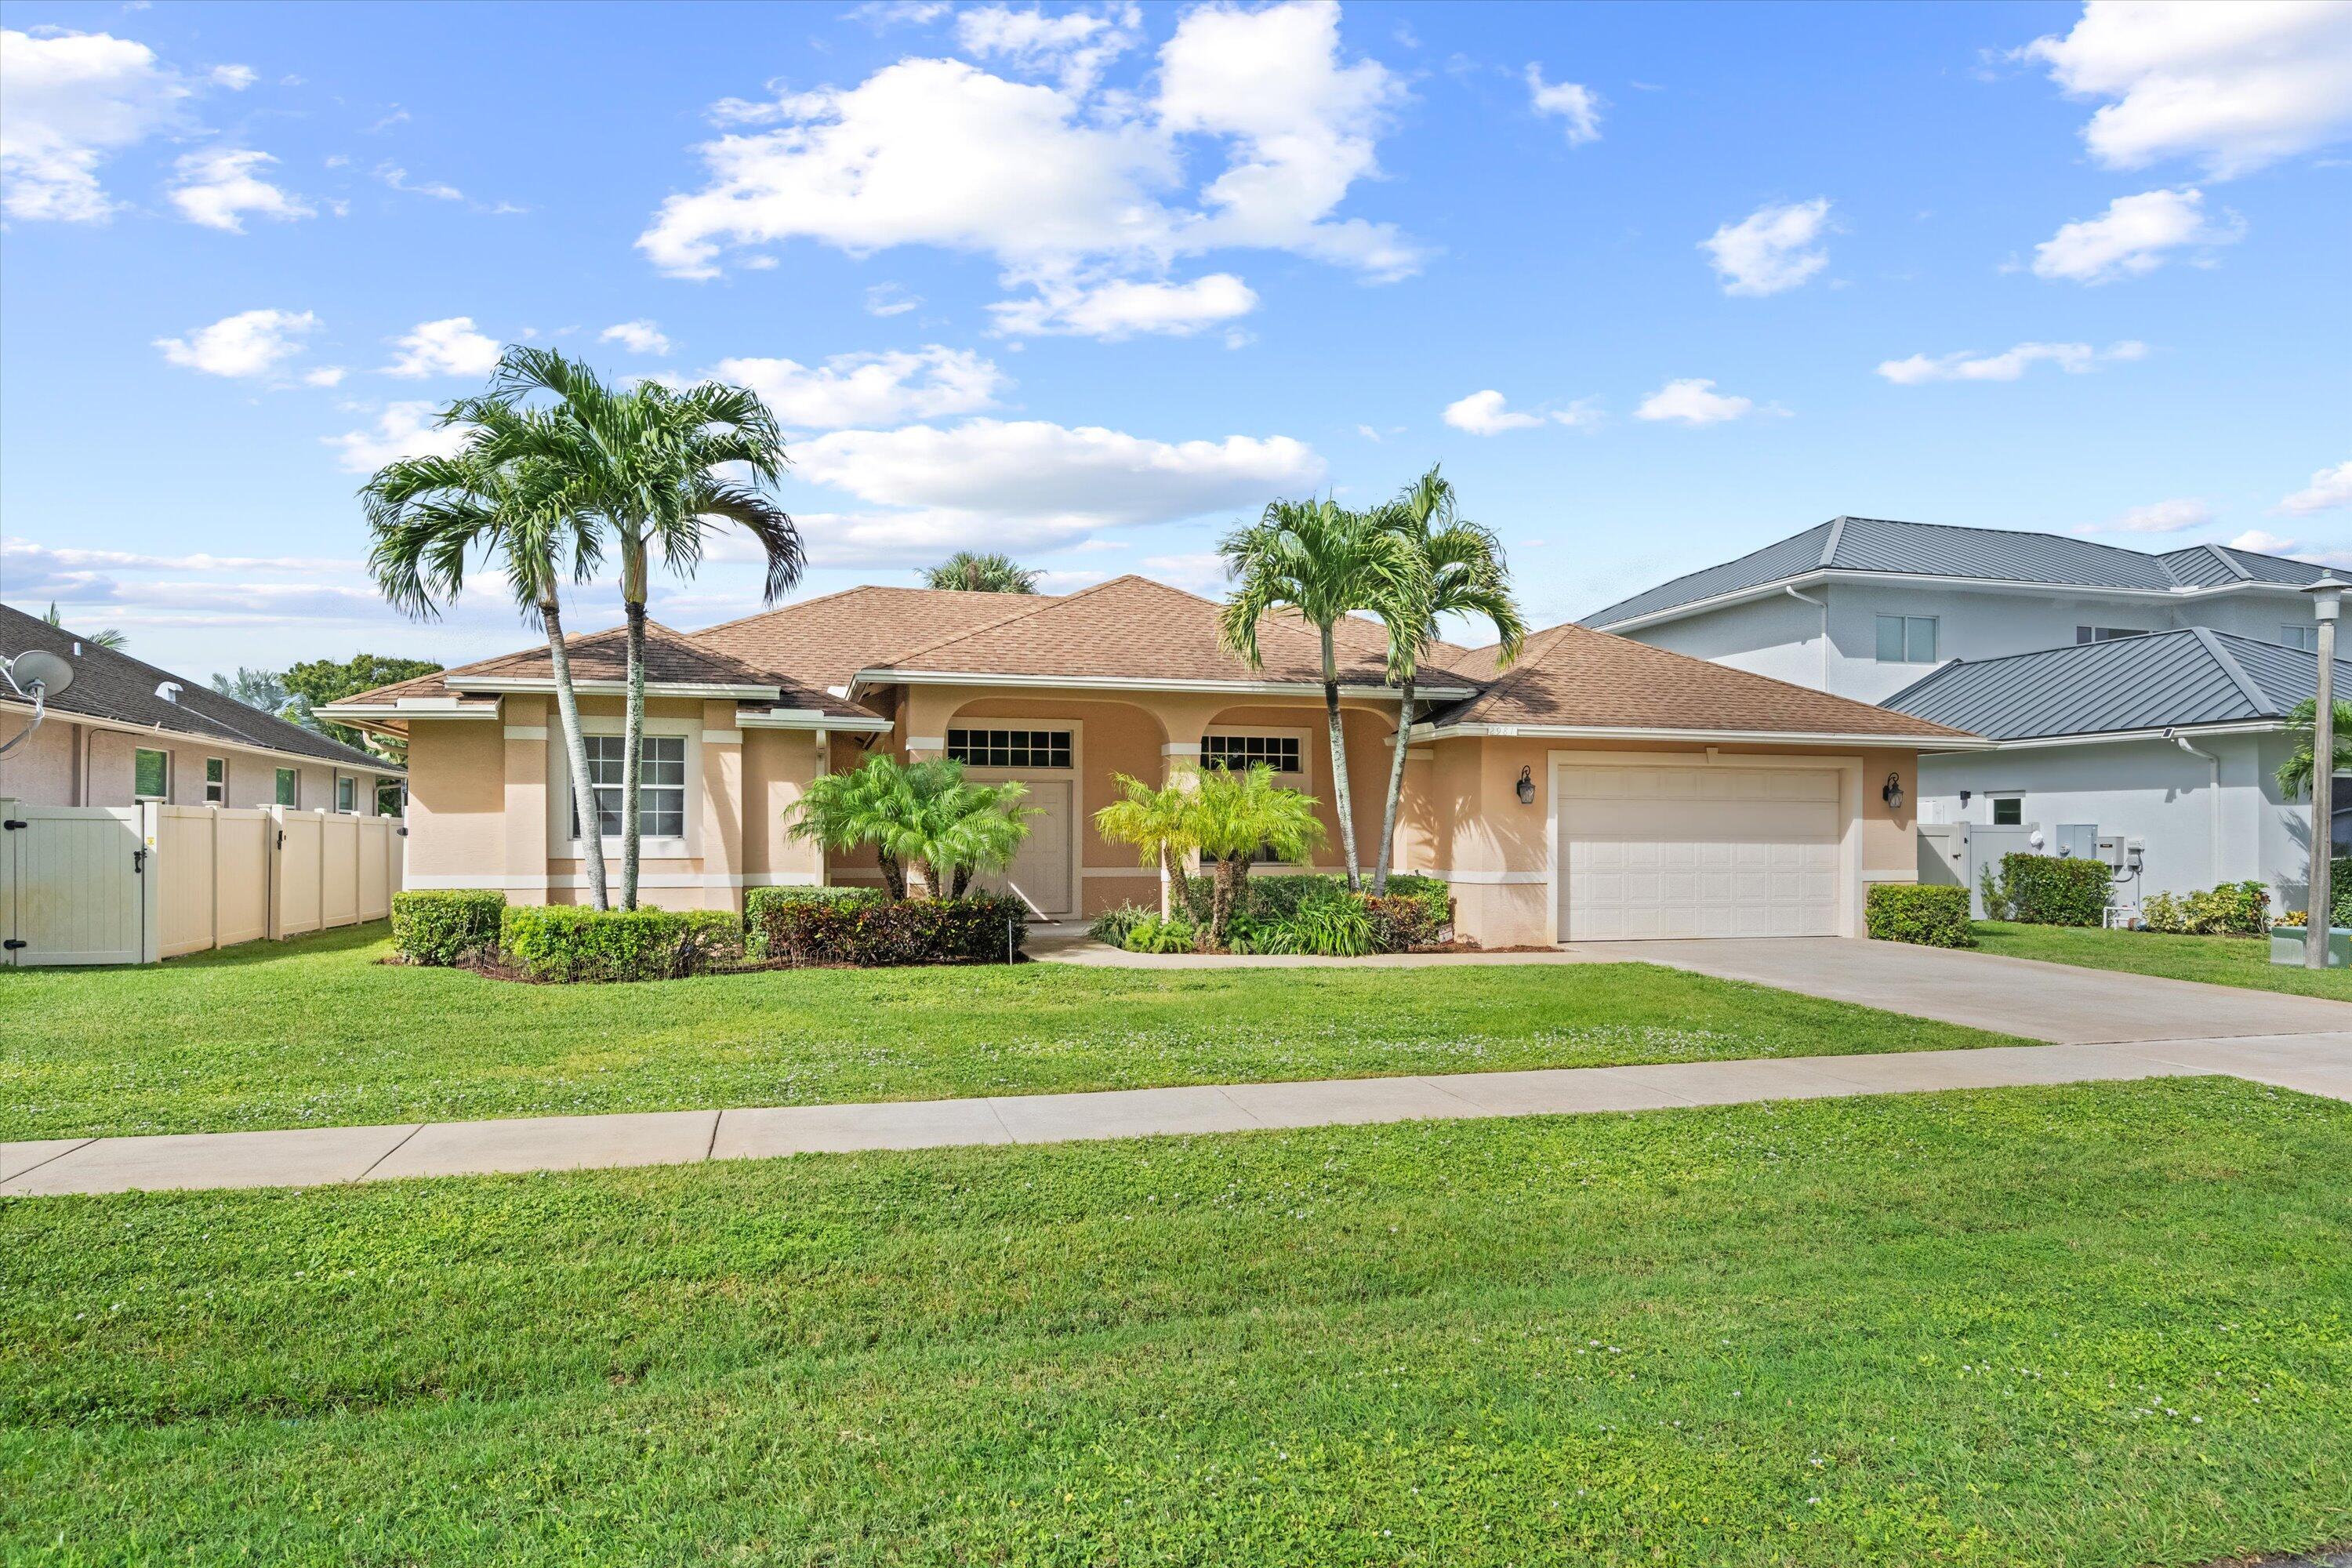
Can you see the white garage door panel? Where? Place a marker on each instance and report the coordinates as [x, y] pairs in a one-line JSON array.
[[1656, 852]]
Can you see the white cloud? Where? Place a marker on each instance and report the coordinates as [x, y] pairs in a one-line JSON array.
[[251, 343], [1202, 572], [1772, 248], [1483, 414], [869, 389], [2007, 366], [395, 176], [2132, 237], [2329, 488], [236, 78], [2235, 86], [1069, 186], [218, 186], [2157, 517], [890, 299], [1579, 105], [1693, 401], [1030, 484], [25, 555], [1074, 46], [325, 375], [2262, 543], [1122, 307], [68, 100], [447, 347], [639, 337], [401, 430]]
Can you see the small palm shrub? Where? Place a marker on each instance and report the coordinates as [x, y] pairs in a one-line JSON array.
[[442, 926]]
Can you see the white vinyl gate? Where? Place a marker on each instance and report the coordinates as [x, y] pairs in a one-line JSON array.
[[134, 884]]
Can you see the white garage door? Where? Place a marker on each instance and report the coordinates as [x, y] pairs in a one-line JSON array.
[[1697, 851]]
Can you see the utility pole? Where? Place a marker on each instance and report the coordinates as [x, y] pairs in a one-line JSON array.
[[2327, 600]]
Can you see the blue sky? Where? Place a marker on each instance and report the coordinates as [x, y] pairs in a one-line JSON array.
[[1656, 285]]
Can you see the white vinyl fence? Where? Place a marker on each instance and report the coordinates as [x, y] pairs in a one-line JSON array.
[[134, 884]]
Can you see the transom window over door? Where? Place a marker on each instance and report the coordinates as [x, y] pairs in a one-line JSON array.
[[661, 784], [1279, 752], [1010, 748], [1907, 639]]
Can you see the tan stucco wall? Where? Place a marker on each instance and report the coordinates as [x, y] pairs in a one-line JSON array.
[[455, 799]]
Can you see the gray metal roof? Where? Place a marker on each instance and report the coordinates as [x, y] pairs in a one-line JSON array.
[[111, 685], [2178, 679], [1938, 550]]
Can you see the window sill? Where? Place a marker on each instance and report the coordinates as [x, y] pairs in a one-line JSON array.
[[647, 849]]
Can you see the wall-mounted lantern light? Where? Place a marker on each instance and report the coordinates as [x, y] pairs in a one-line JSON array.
[[1526, 785], [1892, 794]]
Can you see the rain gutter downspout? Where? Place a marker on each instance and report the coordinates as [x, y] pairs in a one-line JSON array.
[[1822, 606], [2213, 829]]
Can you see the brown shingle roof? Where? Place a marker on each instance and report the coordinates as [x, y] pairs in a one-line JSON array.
[[1132, 628], [824, 641], [1573, 677]]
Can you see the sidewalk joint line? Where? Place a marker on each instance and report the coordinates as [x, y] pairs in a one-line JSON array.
[[388, 1154], [12, 1176]]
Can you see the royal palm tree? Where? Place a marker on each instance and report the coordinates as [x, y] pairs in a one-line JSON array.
[[1323, 562], [647, 461], [1463, 574], [1159, 823], [1237, 816], [430, 514], [981, 574]]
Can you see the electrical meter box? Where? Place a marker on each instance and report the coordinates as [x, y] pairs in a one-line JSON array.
[[2076, 840]]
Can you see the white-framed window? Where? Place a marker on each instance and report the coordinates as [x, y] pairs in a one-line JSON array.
[[150, 775], [1907, 639], [661, 784], [2009, 811], [347, 795], [1279, 752], [289, 787], [216, 781], [2106, 633], [2304, 638], [1010, 748]]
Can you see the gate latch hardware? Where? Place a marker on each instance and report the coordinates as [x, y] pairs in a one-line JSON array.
[[15, 823], [12, 945], [138, 859]]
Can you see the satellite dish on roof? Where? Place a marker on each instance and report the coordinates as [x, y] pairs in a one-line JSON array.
[[38, 672]]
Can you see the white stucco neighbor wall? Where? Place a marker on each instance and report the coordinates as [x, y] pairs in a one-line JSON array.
[[1779, 637], [2199, 821]]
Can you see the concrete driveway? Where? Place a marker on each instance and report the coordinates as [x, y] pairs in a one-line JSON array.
[[2055, 1002]]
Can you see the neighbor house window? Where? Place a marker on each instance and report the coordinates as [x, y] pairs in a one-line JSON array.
[[391, 798], [2106, 633], [661, 785], [150, 775], [2009, 811], [347, 795], [1010, 748], [1279, 752], [216, 781], [1907, 639], [2304, 638], [289, 787]]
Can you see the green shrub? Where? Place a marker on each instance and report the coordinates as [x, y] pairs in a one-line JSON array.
[[757, 901], [1111, 926], [1930, 917], [1989, 888], [1274, 899], [2233, 909], [445, 925], [2054, 891], [1339, 927], [1153, 935], [1402, 920], [567, 942], [980, 928]]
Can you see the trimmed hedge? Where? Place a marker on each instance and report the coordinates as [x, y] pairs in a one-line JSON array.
[[872, 931], [443, 926], [758, 902], [2054, 891], [565, 942], [1928, 917]]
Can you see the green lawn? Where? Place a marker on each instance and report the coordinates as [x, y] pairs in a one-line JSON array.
[[2216, 960], [2097, 1325], [319, 1033]]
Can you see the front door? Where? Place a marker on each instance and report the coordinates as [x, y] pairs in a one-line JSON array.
[[1040, 871]]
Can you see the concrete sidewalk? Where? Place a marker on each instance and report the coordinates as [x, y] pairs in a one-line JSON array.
[[2313, 1063]]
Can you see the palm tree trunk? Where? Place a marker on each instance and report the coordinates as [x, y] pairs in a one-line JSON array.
[[583, 792], [633, 591], [1341, 801], [1171, 881], [1225, 893], [893, 877], [1396, 792]]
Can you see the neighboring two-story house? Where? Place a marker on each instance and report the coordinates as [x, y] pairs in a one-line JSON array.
[[2171, 740]]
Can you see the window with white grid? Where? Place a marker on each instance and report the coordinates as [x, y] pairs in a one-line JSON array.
[[661, 784], [1010, 748], [1279, 752]]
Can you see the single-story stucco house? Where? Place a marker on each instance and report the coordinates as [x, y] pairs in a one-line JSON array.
[[2172, 741], [1596, 789], [126, 732]]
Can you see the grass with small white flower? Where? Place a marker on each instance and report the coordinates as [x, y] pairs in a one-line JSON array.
[[2240, 960], [2098, 1325], [320, 1033]]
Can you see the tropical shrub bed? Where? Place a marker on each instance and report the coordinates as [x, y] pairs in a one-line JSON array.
[[2233, 909], [1925, 917], [979, 928], [1308, 914], [759, 903], [445, 926], [565, 942], [2047, 889]]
